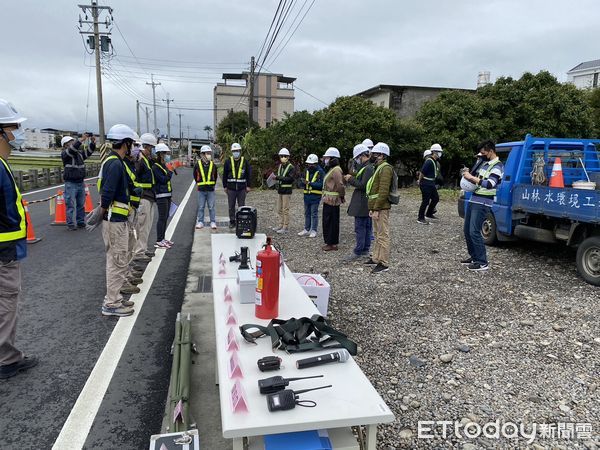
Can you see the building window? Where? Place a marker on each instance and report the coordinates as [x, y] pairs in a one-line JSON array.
[[382, 104], [267, 124], [255, 102], [268, 103], [595, 83]]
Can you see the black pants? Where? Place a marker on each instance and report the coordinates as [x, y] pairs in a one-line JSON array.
[[232, 197], [163, 205], [331, 224], [430, 199]]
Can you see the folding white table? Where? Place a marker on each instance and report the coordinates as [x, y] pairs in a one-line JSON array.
[[352, 401]]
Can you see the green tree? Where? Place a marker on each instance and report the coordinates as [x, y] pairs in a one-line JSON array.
[[208, 129], [233, 128], [593, 97]]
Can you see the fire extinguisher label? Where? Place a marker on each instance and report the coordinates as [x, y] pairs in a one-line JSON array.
[[258, 298], [259, 283]]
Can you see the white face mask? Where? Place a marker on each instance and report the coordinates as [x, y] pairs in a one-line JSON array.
[[18, 138], [326, 161], [208, 156], [236, 155]]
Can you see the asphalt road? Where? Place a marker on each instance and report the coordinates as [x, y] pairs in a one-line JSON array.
[[60, 322]]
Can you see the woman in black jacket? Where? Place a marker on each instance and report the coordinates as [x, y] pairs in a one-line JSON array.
[[163, 192]]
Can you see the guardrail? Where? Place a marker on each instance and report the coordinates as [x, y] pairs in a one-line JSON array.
[[39, 178]]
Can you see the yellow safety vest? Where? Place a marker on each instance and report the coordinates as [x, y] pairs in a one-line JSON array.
[[285, 171], [206, 179], [147, 185], [372, 179], [435, 170], [331, 193], [237, 177], [132, 198], [307, 187], [116, 207], [485, 174], [21, 233]]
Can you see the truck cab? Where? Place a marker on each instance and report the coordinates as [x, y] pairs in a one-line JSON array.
[[528, 205]]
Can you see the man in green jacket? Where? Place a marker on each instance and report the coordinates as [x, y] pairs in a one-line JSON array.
[[378, 191]]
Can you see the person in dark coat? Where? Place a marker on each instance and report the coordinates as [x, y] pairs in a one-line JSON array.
[[237, 174]]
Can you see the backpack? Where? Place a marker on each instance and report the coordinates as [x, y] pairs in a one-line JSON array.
[[394, 196]]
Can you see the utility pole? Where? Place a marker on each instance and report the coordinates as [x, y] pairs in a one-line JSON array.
[[188, 127], [153, 84], [251, 96], [168, 100], [147, 120], [137, 110], [180, 131], [100, 42]]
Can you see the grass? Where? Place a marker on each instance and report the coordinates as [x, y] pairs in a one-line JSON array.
[[446, 195]]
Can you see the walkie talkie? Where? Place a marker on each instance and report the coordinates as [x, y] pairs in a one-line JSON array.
[[288, 399], [278, 383]]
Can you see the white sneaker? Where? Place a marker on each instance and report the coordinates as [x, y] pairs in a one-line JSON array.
[[283, 230], [199, 226], [161, 244], [213, 225], [303, 233], [277, 228], [313, 234]]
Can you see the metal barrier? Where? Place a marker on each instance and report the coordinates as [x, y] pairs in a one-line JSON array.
[[38, 178]]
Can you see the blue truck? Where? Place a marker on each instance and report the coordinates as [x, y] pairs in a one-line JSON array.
[[526, 207]]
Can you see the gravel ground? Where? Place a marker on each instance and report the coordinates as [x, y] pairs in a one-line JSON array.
[[521, 342]]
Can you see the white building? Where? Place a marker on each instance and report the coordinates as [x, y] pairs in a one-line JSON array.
[[585, 75], [273, 97], [35, 138]]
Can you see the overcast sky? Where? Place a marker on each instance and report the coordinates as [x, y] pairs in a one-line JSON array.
[[342, 47]]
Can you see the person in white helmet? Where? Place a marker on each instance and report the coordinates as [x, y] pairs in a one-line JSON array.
[[359, 205], [114, 212], [13, 245], [378, 191], [313, 190], [74, 153], [145, 180], [368, 143], [333, 196], [285, 176], [237, 174], [163, 191], [205, 175], [429, 177]]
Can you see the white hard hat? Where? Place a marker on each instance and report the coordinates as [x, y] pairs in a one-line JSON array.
[[332, 152], [136, 139], [426, 153], [205, 149], [235, 146], [381, 148], [466, 185], [119, 132], [284, 152], [148, 139], [368, 143], [436, 148], [162, 148], [312, 159], [66, 139], [359, 150], [8, 113]]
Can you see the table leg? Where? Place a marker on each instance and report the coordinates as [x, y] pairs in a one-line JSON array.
[[238, 444], [371, 437]]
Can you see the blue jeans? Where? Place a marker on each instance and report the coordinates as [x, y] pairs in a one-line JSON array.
[[311, 216], [474, 218], [205, 197], [363, 228], [75, 193]]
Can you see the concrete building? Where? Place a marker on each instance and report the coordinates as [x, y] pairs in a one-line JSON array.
[[585, 74], [273, 97], [404, 100], [35, 138]]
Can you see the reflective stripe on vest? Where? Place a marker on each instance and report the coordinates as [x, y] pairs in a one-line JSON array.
[[331, 193], [286, 170], [485, 174], [359, 173], [119, 208], [372, 180], [435, 170], [132, 198], [237, 178], [308, 188], [21, 233], [168, 182], [206, 179], [147, 164], [99, 182]]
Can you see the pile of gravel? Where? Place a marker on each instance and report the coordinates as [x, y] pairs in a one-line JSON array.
[[519, 343]]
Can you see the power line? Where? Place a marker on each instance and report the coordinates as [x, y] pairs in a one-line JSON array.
[[160, 60], [290, 27], [269, 31]]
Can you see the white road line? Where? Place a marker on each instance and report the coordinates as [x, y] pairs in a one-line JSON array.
[[52, 187], [77, 426]]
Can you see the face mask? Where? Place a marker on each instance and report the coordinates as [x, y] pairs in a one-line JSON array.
[[153, 153], [208, 156], [236, 155], [439, 155], [373, 159], [284, 160], [357, 161], [326, 161], [135, 151], [18, 138], [167, 158]]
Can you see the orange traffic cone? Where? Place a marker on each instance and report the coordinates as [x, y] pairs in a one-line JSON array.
[[60, 216], [89, 206], [31, 239], [556, 179]]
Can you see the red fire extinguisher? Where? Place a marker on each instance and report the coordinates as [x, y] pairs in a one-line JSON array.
[[266, 300]]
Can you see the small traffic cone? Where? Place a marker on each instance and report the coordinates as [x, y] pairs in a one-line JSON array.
[[89, 206], [60, 216], [170, 166], [556, 179], [31, 239]]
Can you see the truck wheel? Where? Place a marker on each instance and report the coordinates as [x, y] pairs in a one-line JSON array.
[[488, 230], [588, 260]]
